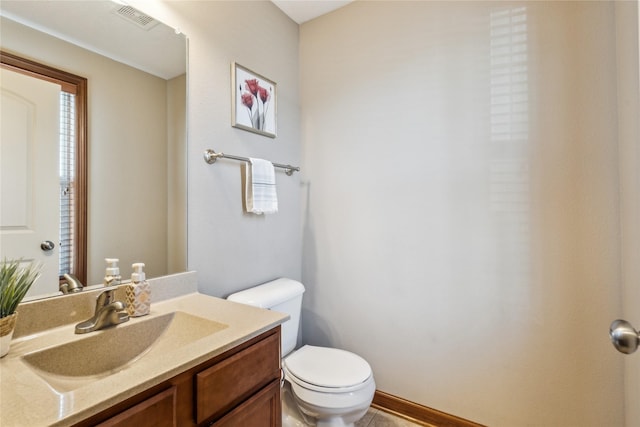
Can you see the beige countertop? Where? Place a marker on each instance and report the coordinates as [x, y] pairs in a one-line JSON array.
[[27, 399]]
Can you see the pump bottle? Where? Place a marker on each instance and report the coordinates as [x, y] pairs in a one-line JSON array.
[[112, 272], [138, 292]]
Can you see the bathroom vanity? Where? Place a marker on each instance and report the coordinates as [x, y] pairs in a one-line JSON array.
[[240, 387], [195, 360]]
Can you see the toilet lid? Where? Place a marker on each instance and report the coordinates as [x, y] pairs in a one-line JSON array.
[[328, 367]]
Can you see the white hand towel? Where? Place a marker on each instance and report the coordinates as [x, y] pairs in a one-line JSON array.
[[260, 190]]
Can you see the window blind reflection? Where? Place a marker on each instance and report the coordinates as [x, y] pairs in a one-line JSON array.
[[509, 178], [67, 180]]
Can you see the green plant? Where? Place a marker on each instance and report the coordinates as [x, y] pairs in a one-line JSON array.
[[15, 281]]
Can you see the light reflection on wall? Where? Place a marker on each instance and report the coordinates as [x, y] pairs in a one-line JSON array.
[[509, 179]]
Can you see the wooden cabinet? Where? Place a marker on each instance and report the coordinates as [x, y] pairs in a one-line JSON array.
[[156, 411], [227, 384], [261, 409], [240, 387]]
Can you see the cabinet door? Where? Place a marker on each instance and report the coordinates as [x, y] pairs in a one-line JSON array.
[[261, 410], [229, 383], [156, 411]]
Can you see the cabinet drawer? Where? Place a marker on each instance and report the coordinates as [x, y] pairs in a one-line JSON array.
[[262, 409], [156, 411], [225, 385]]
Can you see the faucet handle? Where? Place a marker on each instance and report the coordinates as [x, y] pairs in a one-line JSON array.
[[117, 313], [108, 313], [105, 298], [118, 305]]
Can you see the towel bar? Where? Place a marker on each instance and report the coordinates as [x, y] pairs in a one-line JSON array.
[[211, 156]]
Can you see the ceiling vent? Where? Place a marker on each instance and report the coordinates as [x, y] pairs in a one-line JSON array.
[[136, 17]]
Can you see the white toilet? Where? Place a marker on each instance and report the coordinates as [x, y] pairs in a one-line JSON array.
[[330, 387]]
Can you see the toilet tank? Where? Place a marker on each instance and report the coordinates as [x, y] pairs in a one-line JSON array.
[[283, 295]]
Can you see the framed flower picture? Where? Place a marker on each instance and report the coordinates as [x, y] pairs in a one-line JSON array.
[[253, 99]]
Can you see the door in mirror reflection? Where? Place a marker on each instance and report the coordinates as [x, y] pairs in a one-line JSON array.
[[29, 179]]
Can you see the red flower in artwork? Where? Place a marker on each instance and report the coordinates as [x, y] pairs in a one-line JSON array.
[[247, 100], [259, 97], [252, 86], [264, 94]]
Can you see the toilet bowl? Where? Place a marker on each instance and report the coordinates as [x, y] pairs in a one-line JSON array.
[[332, 386], [329, 386]]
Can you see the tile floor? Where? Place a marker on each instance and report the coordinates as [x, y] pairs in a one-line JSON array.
[[378, 418]]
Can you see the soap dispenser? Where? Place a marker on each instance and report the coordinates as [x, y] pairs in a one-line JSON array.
[[138, 292], [112, 272]]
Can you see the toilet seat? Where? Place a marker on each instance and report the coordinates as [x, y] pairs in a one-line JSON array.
[[328, 370]]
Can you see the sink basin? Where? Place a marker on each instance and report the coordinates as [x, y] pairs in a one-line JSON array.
[[71, 365]]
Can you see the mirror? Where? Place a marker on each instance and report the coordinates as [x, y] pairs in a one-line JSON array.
[[136, 170]]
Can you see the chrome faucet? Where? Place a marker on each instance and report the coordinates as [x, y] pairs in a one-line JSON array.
[[72, 284], [108, 313]]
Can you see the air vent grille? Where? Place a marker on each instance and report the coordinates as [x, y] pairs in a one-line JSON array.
[[135, 16]]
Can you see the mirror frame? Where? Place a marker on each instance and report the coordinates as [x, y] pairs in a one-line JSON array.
[[45, 72]]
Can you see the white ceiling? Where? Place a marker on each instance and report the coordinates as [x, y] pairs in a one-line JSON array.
[[95, 26], [305, 10]]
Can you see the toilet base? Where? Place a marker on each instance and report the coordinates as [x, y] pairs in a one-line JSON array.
[[338, 422], [297, 412], [293, 417]]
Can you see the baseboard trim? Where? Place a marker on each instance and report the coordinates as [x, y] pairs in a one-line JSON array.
[[418, 413]]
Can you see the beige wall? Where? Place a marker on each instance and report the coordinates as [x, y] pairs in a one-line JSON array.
[[127, 214], [628, 53], [177, 174], [232, 250], [461, 204], [473, 261]]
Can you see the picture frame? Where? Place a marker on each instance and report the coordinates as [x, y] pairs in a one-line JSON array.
[[253, 101]]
